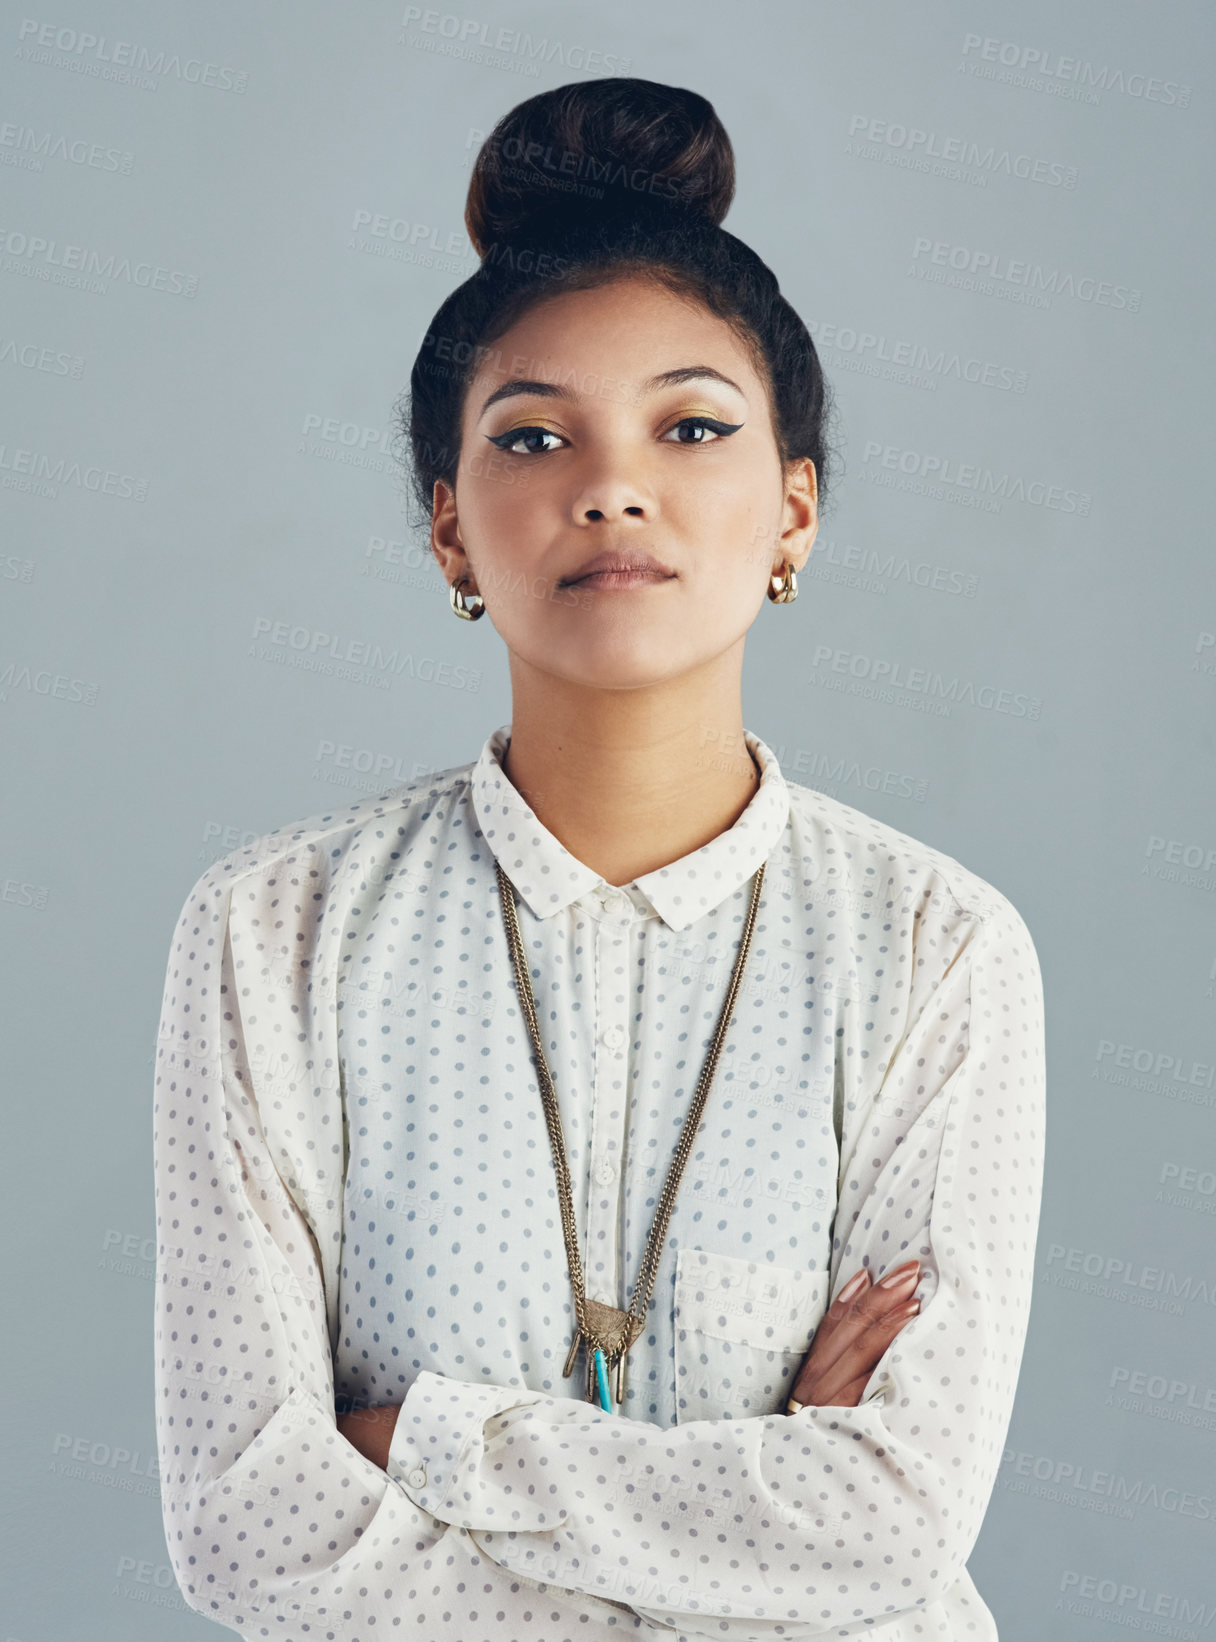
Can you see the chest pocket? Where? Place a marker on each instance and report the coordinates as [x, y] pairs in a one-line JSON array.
[[741, 1332]]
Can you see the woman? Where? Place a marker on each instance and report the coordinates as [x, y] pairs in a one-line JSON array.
[[598, 1184]]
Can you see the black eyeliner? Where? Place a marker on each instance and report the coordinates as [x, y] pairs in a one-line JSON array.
[[504, 440]]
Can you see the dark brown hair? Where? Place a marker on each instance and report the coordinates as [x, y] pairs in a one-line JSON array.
[[584, 184]]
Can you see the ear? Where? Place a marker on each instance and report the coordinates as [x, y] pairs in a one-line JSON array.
[[801, 515], [446, 543]]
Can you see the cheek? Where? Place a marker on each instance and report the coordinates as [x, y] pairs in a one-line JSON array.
[[733, 519], [495, 470], [497, 492], [738, 545]]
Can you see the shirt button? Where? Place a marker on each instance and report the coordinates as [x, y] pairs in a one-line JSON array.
[[417, 1477], [606, 1173], [613, 1037]]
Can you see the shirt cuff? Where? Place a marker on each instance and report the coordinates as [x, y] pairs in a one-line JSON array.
[[437, 1451]]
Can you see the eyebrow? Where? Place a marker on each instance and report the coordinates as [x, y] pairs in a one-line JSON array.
[[553, 390]]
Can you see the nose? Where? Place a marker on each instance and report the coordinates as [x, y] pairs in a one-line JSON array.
[[610, 512], [610, 493]]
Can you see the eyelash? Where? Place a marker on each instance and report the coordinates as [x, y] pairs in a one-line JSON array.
[[504, 441]]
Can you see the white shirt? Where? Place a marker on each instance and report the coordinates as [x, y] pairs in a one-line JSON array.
[[356, 1198]]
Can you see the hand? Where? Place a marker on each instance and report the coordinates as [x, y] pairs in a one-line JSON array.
[[856, 1330], [370, 1430]]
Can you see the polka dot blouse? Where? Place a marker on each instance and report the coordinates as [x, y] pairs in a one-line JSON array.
[[356, 1206]]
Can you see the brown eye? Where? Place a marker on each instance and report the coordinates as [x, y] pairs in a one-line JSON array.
[[719, 429], [508, 441]]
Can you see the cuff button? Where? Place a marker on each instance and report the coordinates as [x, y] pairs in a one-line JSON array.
[[417, 1477]]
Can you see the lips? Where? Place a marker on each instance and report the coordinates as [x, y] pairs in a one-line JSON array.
[[619, 561]]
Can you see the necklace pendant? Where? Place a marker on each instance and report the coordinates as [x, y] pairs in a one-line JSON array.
[[572, 1354], [592, 1391], [602, 1387], [615, 1330]]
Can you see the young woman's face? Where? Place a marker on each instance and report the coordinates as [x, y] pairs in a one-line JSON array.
[[573, 446]]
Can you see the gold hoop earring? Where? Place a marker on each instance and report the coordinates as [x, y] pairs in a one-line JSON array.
[[784, 591], [461, 604]]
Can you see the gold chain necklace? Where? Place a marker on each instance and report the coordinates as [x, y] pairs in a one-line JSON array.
[[607, 1331]]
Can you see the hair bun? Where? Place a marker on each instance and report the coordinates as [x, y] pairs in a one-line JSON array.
[[595, 151]]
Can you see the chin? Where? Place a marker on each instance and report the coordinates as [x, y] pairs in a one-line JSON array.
[[639, 661]]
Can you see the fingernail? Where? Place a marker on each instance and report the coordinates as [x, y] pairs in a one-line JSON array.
[[854, 1285], [905, 1274]]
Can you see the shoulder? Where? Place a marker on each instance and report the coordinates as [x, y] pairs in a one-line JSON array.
[[318, 845], [883, 869]]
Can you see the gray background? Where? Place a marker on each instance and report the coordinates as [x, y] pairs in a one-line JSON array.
[[192, 458]]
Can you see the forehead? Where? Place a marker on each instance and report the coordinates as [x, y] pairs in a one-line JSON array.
[[613, 341]]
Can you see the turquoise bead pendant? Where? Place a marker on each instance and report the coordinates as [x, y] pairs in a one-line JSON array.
[[601, 1380]]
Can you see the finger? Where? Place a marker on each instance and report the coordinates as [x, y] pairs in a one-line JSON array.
[[850, 1395], [847, 1320], [858, 1285], [845, 1299], [820, 1379], [836, 1387], [864, 1355], [883, 1293], [895, 1290], [831, 1386]]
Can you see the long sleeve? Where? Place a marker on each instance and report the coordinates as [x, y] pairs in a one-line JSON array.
[[831, 1520], [275, 1523]]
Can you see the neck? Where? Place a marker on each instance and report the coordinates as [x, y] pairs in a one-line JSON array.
[[631, 780]]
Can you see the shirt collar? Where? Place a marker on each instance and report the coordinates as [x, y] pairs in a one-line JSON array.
[[549, 878]]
